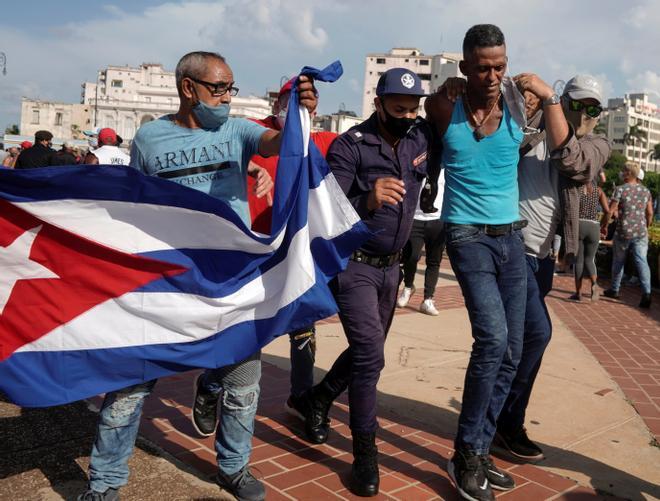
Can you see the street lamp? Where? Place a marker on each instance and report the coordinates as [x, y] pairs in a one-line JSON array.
[[3, 62]]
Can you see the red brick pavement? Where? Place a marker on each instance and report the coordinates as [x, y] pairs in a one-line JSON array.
[[412, 458], [624, 339]]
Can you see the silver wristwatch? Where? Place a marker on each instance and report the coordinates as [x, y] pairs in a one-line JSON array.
[[554, 99]]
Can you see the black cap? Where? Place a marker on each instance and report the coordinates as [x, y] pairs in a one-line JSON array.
[[42, 135], [400, 81]]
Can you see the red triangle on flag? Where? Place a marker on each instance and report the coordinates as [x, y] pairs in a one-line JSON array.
[[89, 274]]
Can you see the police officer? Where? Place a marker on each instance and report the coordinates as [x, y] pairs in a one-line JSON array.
[[380, 165]]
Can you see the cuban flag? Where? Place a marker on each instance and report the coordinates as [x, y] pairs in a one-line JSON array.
[[109, 278]]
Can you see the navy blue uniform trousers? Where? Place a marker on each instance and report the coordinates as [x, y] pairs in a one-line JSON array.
[[366, 296]]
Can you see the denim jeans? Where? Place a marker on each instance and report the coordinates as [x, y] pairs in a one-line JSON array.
[[492, 273], [538, 331], [302, 354], [639, 248], [120, 414]]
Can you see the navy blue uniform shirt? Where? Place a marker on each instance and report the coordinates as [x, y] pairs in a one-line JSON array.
[[360, 156]]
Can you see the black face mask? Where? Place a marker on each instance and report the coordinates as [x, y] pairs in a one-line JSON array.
[[398, 127]]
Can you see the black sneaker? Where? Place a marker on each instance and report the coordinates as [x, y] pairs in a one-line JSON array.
[[646, 301], [611, 293], [519, 445], [295, 406], [92, 495], [469, 476], [204, 409], [242, 485], [497, 478]]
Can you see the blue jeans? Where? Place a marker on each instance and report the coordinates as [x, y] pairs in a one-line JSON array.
[[120, 414], [492, 274], [639, 248], [538, 330]]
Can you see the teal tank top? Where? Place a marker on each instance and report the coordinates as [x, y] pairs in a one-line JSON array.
[[481, 184]]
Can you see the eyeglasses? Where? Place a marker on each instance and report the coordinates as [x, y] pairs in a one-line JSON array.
[[218, 89], [591, 110]]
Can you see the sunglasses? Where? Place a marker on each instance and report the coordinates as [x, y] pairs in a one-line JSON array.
[[218, 89], [591, 110]]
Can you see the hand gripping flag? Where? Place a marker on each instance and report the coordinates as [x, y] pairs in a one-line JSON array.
[[109, 278]]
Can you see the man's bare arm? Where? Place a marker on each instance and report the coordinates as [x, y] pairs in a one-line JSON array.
[[438, 111], [556, 127], [649, 214]]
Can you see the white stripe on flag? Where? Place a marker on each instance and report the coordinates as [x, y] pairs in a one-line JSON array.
[[137, 319], [138, 228]]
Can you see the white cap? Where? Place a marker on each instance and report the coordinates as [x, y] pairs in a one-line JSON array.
[[584, 87]]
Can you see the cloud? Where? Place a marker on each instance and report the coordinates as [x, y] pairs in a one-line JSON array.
[[265, 39], [648, 82]]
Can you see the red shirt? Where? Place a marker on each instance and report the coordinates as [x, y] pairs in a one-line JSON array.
[[260, 211]]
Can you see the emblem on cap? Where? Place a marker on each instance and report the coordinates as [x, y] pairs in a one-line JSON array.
[[407, 80]]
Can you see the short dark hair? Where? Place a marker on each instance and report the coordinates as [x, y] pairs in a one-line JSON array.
[[42, 135], [192, 65], [482, 35]]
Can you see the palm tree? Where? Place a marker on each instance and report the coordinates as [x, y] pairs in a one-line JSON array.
[[634, 135], [654, 155]]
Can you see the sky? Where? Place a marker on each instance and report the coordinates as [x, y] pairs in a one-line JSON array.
[[53, 47]]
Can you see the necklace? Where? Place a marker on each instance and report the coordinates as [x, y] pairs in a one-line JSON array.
[[478, 135]]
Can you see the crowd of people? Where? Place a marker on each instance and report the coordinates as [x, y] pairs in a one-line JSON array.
[[502, 165], [104, 148]]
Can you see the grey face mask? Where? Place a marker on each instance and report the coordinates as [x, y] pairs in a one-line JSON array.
[[211, 117], [515, 101]]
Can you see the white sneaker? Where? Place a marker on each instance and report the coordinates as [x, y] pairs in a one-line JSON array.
[[405, 296], [429, 308]]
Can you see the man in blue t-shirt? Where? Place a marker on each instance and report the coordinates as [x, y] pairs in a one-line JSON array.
[[480, 139], [201, 147]]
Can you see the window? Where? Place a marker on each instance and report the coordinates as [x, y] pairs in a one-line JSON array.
[[58, 118], [117, 83], [148, 99], [423, 62], [427, 76], [407, 60], [35, 116], [620, 118], [380, 60]]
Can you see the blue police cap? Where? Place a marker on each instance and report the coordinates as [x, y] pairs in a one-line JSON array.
[[400, 81]]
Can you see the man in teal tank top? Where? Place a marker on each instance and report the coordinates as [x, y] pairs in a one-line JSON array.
[[481, 139]]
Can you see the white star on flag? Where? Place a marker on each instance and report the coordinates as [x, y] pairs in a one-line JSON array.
[[16, 265]]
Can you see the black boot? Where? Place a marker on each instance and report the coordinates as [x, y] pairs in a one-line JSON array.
[[365, 478], [316, 403]]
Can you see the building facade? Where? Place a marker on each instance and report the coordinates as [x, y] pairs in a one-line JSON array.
[[124, 98], [632, 123], [338, 122], [64, 120], [432, 69]]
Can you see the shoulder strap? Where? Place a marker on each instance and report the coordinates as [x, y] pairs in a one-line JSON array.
[[530, 141]]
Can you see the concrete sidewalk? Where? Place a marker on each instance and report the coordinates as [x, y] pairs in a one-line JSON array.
[[596, 443]]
